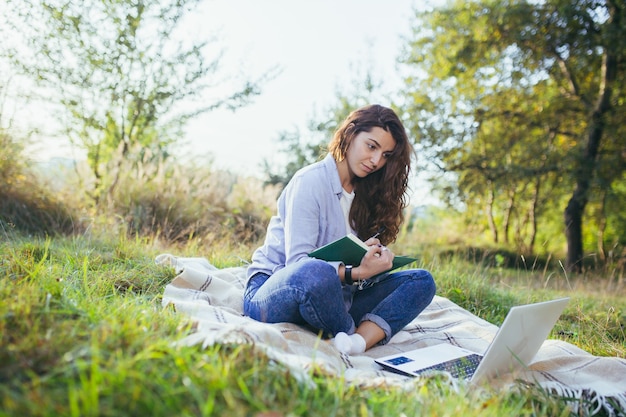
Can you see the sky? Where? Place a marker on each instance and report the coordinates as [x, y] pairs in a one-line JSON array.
[[319, 46]]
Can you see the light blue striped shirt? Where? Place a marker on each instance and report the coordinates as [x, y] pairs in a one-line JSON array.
[[309, 216]]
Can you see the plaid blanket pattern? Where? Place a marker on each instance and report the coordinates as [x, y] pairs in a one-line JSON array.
[[213, 299]]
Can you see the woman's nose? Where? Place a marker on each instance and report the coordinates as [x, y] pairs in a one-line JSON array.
[[375, 159]]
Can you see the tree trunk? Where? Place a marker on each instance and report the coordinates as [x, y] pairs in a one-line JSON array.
[[574, 229], [492, 223], [602, 227], [532, 213], [507, 215], [575, 209]]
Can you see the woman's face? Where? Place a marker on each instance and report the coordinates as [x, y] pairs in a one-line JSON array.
[[368, 151]]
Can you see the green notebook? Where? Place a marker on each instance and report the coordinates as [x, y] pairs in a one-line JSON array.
[[350, 250]]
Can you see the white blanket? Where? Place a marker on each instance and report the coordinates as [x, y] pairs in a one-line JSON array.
[[213, 298]]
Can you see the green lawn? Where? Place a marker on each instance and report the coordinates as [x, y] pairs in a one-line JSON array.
[[83, 333]]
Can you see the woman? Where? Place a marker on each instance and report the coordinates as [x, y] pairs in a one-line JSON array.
[[360, 187]]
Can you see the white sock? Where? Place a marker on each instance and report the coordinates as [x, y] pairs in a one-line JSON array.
[[351, 344], [358, 344], [342, 342]]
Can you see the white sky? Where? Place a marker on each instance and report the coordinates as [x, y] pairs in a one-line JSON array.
[[318, 44]]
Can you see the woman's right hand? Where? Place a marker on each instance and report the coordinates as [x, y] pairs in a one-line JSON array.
[[376, 260]]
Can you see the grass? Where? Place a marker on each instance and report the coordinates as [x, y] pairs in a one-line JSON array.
[[83, 333]]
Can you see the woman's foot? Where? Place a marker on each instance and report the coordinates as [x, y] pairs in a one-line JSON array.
[[353, 344]]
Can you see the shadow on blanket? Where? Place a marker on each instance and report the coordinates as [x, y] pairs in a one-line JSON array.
[[213, 298]]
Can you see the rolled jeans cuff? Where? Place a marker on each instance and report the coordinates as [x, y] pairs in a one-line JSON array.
[[380, 322]]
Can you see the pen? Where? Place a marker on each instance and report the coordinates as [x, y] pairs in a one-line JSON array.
[[382, 229]]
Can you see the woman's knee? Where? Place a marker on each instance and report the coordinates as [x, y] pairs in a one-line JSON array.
[[322, 275], [426, 282], [316, 275]]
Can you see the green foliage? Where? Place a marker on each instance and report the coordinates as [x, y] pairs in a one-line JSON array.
[[518, 101], [124, 73]]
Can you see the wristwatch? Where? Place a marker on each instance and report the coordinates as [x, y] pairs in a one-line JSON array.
[[347, 276]]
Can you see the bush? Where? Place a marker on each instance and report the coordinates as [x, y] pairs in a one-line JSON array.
[[172, 200], [26, 205], [178, 202]]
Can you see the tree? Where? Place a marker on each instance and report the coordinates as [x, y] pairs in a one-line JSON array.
[[125, 75], [522, 96]]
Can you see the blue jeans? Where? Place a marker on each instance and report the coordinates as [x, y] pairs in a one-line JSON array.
[[310, 293]]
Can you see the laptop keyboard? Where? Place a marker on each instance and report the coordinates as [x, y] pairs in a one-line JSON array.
[[459, 368]]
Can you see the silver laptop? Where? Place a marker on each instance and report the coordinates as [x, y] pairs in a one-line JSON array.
[[516, 343]]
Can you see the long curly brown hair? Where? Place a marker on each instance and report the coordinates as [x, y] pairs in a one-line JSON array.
[[380, 197]]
